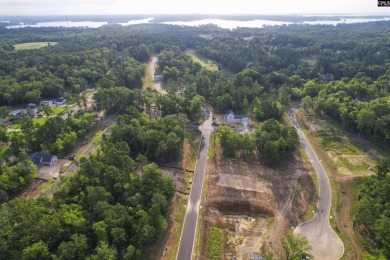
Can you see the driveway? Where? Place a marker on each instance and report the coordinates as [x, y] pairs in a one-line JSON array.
[[324, 241], [152, 71]]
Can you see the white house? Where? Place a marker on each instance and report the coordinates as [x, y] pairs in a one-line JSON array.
[[59, 101], [230, 117]]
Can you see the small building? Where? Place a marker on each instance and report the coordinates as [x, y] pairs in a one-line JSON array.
[[59, 101], [231, 117], [327, 76], [44, 159], [157, 78], [47, 103], [250, 65], [4, 121], [34, 107], [15, 112]]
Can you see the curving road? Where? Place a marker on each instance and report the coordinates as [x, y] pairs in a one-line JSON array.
[[324, 241]]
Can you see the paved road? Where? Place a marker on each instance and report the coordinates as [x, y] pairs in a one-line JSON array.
[[152, 71], [191, 219], [324, 241]]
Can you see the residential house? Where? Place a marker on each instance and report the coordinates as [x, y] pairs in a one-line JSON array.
[[59, 101], [44, 159], [34, 107], [157, 78], [15, 112], [47, 103], [231, 117]]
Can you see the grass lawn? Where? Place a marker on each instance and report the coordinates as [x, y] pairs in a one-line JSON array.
[[39, 120], [148, 79], [207, 63], [15, 126], [59, 109], [32, 45], [88, 93]]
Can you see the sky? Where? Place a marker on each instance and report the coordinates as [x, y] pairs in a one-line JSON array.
[[80, 7]]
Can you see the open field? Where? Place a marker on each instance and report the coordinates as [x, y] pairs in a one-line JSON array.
[[207, 63], [57, 110], [33, 45]]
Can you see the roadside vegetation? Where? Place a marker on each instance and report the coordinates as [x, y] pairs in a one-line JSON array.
[[214, 243]]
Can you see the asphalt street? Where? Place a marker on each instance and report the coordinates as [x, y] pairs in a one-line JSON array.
[[187, 238], [324, 241], [186, 246]]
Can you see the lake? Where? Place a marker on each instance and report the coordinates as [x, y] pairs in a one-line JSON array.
[[227, 24]]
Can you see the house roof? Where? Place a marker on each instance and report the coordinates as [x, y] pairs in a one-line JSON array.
[[61, 99], [15, 112], [39, 157], [229, 112], [239, 116]]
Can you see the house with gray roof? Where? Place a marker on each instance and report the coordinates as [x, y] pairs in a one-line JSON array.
[[39, 158], [231, 117]]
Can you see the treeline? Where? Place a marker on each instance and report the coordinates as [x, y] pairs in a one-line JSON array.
[[371, 212], [270, 140], [107, 211], [358, 105]]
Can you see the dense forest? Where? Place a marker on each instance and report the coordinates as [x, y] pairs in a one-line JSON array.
[[116, 205]]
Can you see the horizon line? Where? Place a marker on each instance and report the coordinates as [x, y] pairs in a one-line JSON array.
[[203, 14]]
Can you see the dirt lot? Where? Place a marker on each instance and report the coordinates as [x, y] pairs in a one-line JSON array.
[[253, 204], [50, 172]]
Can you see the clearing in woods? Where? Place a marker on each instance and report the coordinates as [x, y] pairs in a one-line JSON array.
[[252, 205], [207, 63], [33, 45]]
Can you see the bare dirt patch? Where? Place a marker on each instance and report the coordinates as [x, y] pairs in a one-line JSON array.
[[50, 172], [206, 36], [253, 204]]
